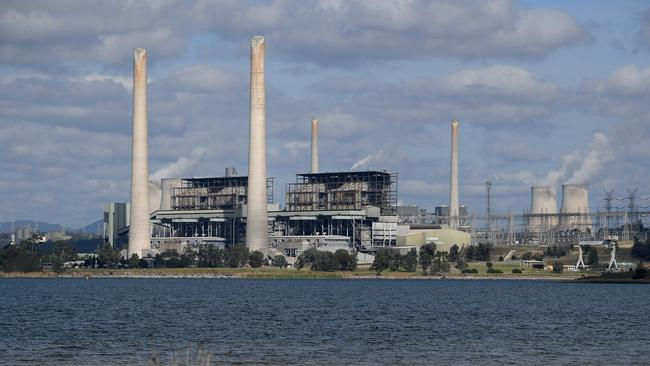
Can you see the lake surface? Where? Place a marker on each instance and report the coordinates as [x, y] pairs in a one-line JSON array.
[[361, 322]]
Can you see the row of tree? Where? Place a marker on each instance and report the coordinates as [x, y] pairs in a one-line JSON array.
[[30, 255], [340, 260], [430, 260], [641, 250]]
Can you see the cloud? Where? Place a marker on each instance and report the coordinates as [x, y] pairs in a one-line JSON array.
[[47, 35], [371, 31], [498, 81]]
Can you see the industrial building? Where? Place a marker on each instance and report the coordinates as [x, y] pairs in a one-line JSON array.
[[351, 210], [116, 219]]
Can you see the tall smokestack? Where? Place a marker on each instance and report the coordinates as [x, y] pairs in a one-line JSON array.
[[314, 145], [256, 219], [453, 184], [139, 233]]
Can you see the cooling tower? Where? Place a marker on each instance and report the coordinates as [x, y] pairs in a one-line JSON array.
[[575, 207], [543, 200], [256, 217], [314, 145], [166, 189], [139, 232], [453, 183]]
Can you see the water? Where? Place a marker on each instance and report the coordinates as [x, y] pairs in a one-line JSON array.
[[362, 322]]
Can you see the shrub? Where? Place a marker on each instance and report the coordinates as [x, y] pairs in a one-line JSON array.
[[461, 265], [256, 259], [410, 261], [492, 270], [470, 270], [279, 261], [501, 259], [640, 272], [344, 260], [516, 270], [382, 261]]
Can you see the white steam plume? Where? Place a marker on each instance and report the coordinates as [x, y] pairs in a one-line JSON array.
[[578, 170], [173, 170], [368, 159], [598, 154]]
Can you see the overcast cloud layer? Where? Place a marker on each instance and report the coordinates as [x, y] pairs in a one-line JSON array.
[[551, 94]]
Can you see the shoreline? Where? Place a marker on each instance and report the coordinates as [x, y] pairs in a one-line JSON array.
[[278, 275]]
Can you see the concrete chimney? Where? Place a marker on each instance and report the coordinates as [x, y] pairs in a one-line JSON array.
[[256, 216], [453, 184], [314, 145], [139, 232]]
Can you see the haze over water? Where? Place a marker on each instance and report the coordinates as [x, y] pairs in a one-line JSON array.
[[366, 322]]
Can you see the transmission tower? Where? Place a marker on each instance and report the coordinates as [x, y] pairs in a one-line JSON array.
[[488, 187], [609, 196]]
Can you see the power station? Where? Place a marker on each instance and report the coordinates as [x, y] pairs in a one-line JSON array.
[[353, 210]]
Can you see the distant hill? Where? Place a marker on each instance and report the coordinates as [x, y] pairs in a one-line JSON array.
[[5, 227], [92, 228]]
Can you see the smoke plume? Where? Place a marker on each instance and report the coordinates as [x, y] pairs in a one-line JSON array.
[[576, 169], [174, 170], [368, 159]]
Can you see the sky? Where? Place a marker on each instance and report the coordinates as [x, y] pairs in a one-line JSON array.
[[546, 92]]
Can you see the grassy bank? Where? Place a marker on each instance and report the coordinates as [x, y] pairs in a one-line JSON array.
[[278, 273]]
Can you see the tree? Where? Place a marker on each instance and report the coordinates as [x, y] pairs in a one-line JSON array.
[[107, 255], [439, 266], [592, 258], [57, 265], [557, 267], [158, 261], [133, 261], [256, 259], [279, 261], [324, 262], [64, 250], [395, 260], [236, 256], [555, 251], [454, 253], [210, 256], [427, 254], [641, 250], [489, 265], [483, 252], [382, 261], [19, 259], [410, 261], [344, 260]]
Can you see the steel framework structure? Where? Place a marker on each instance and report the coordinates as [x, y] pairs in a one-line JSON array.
[[343, 191]]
